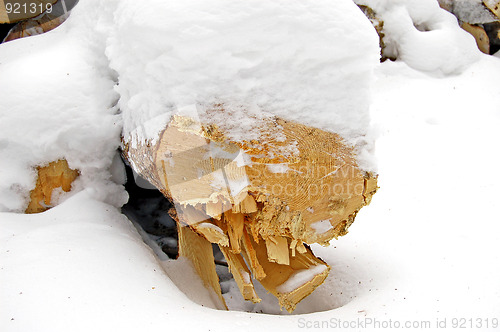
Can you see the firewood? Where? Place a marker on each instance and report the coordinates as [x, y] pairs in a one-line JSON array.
[[261, 200], [482, 40], [241, 273], [56, 174], [493, 6], [199, 251], [480, 19]]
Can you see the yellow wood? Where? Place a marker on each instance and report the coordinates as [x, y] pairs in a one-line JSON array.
[[199, 251], [482, 39], [55, 175], [268, 197], [277, 250], [494, 6], [241, 275]]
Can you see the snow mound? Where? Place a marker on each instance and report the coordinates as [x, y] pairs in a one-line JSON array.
[[425, 36], [57, 101]]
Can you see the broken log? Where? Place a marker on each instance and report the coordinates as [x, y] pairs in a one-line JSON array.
[[56, 174], [260, 200], [481, 37]]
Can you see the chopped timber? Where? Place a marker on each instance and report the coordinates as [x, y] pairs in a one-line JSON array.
[[241, 273], [292, 282], [482, 39], [493, 6], [260, 200], [199, 251], [56, 174]]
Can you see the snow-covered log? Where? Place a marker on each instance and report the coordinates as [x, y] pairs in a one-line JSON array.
[[254, 122], [480, 18], [252, 117]]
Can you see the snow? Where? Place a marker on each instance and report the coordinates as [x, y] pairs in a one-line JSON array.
[[299, 278], [210, 225], [57, 101], [98, 73], [266, 59], [425, 36], [322, 226], [245, 275], [278, 168], [427, 247]]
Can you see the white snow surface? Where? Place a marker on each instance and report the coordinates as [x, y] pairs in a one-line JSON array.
[[425, 36], [299, 278], [308, 61], [322, 226], [210, 225], [427, 247]]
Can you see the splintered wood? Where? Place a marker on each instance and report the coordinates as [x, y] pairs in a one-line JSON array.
[[56, 174], [261, 201]]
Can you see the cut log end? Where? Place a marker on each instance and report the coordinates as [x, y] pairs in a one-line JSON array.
[[261, 201]]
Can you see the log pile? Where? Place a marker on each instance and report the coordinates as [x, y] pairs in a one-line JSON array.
[[262, 201]]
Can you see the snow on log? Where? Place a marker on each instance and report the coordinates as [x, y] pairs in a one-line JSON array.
[[477, 17], [482, 40], [404, 29]]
